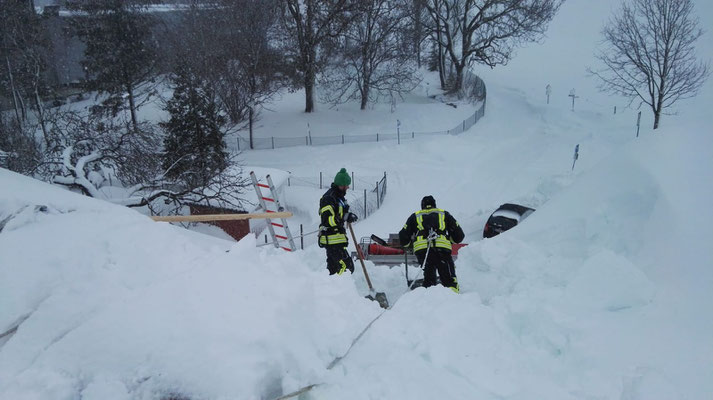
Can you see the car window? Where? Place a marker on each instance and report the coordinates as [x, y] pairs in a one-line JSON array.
[[507, 214]]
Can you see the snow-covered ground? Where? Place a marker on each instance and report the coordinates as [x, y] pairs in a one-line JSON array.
[[603, 293]]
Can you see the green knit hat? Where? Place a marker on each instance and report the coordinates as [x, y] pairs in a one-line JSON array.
[[342, 178]]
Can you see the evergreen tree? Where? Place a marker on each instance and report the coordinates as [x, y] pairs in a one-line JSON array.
[[194, 145]]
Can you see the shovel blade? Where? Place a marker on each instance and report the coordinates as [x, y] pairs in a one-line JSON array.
[[380, 298]]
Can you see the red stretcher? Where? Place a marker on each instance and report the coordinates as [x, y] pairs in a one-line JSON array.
[[390, 253]]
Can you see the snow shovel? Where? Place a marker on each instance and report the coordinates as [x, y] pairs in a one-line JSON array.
[[380, 297]]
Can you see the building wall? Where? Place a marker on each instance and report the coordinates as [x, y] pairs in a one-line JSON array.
[[236, 229]]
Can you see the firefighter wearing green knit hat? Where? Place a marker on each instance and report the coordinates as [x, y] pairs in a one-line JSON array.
[[342, 178], [334, 212]]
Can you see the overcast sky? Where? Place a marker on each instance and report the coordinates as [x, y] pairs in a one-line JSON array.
[[572, 39]]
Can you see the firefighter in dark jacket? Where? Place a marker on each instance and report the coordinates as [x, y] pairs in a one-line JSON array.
[[445, 231], [334, 212]]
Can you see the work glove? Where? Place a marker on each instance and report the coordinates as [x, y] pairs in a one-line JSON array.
[[351, 218]]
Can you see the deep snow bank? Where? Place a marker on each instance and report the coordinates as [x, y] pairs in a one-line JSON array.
[[111, 305], [604, 292]]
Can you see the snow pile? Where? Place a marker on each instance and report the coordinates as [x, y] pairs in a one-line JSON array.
[[112, 305], [582, 300], [604, 292]]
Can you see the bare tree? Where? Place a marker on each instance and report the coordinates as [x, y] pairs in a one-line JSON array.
[[309, 24], [649, 54], [24, 47], [255, 67], [486, 31], [228, 47], [20, 151], [120, 54], [89, 152], [374, 56], [419, 34]]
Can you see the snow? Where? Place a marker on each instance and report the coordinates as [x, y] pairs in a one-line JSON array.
[[604, 292], [507, 214]]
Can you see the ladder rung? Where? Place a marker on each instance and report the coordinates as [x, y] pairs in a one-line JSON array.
[[280, 225], [270, 211], [286, 248], [281, 237], [268, 199], [263, 185]]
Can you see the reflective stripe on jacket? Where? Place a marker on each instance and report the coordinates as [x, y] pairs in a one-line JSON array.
[[419, 224], [421, 241]]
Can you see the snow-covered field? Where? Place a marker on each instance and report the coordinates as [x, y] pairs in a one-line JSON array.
[[603, 293]]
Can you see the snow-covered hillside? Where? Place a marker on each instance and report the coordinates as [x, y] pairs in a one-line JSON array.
[[603, 293]]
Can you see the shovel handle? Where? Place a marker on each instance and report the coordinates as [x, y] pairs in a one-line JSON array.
[[361, 257]]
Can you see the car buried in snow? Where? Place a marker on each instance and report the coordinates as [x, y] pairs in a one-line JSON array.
[[506, 217]]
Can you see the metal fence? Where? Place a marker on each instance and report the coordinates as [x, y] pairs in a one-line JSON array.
[[473, 89], [366, 195]]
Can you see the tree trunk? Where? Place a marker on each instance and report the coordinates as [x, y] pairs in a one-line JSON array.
[[309, 88], [23, 107], [441, 58], [366, 76], [250, 124], [659, 103], [364, 95], [657, 117], [15, 103], [132, 107], [418, 8], [41, 115], [458, 84]]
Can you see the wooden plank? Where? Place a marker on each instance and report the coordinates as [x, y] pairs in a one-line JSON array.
[[297, 392], [220, 217]]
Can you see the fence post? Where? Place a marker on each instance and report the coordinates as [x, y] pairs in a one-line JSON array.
[[302, 238], [273, 142], [365, 213], [265, 238], [463, 125], [320, 179], [353, 185], [342, 139], [413, 135], [377, 136], [288, 181], [638, 124], [398, 131], [306, 140], [377, 196]]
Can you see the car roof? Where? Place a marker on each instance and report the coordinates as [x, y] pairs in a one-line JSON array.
[[515, 208]]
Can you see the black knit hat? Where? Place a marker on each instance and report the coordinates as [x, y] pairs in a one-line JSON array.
[[428, 202]]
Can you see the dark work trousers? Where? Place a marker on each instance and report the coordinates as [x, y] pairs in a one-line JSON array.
[[338, 260], [438, 260]]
